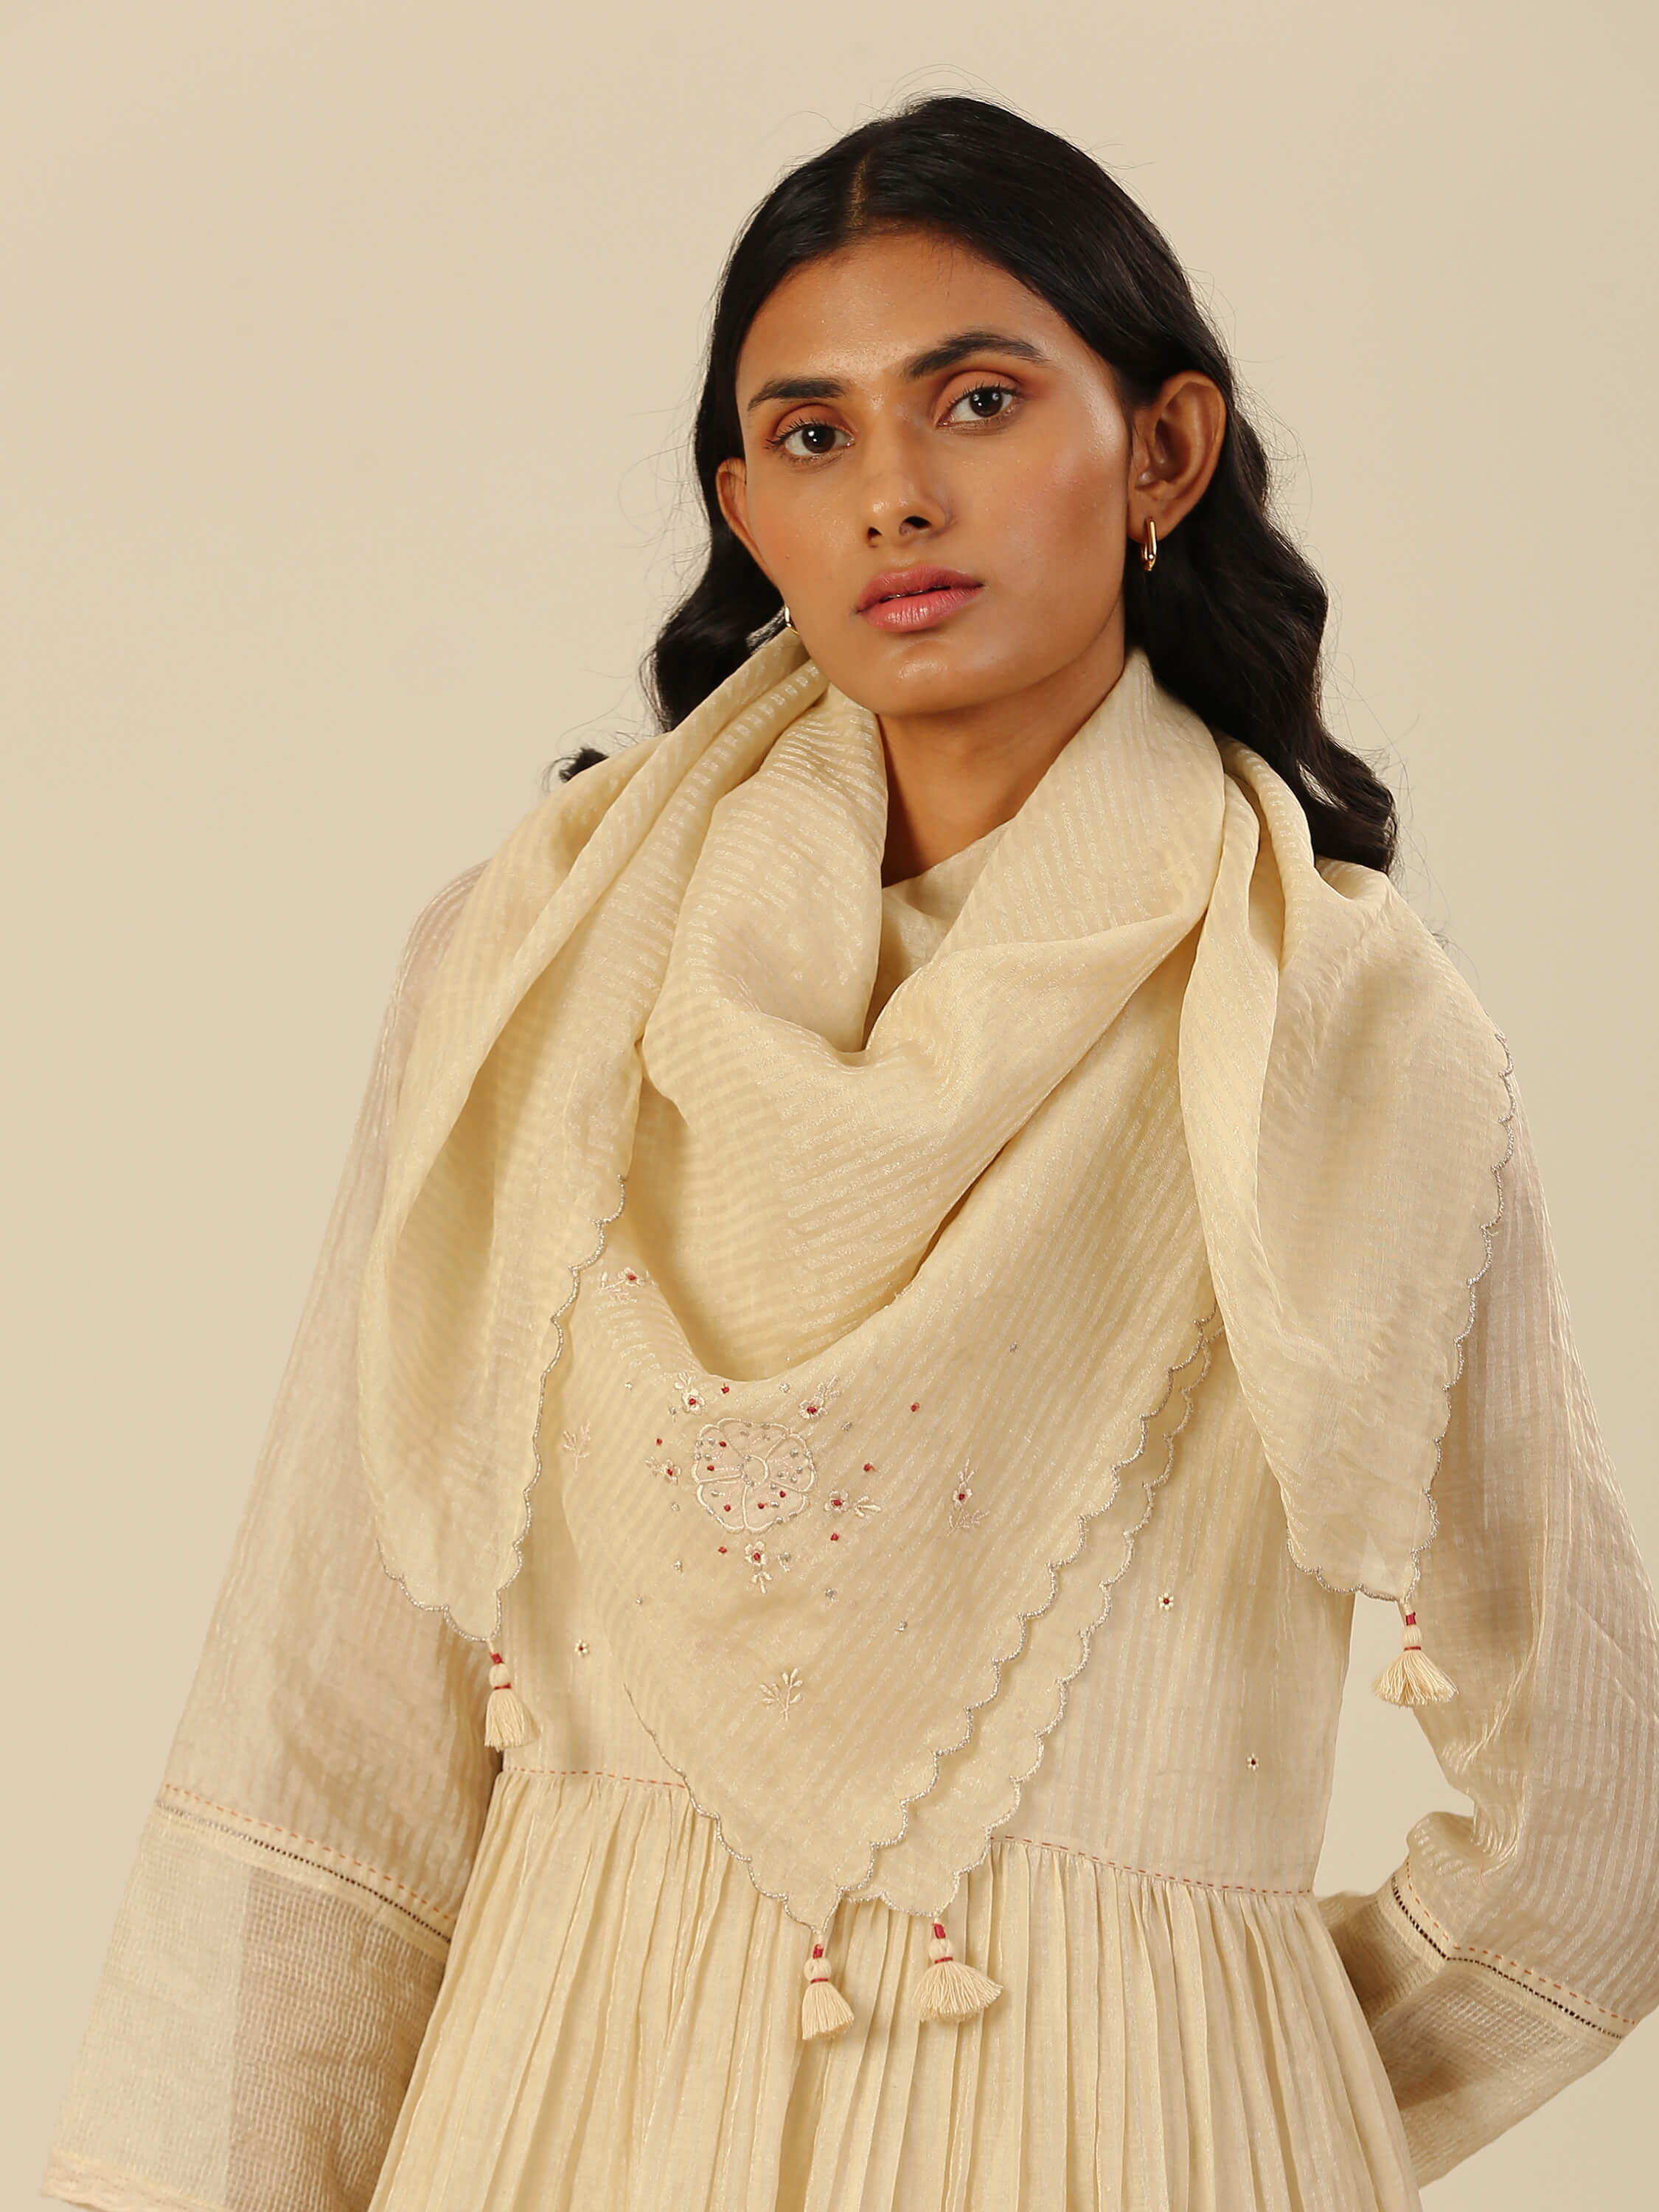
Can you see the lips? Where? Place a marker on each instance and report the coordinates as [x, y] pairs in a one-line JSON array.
[[912, 583], [916, 598]]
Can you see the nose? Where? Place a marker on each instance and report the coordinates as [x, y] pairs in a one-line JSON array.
[[899, 495]]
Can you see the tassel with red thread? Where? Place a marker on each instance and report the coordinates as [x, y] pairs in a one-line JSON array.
[[950, 1989], [506, 1724], [1414, 1679], [824, 2009]]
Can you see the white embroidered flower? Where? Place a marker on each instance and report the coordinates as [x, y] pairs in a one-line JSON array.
[[575, 1441], [623, 1283], [689, 1392], [751, 1474], [843, 1501], [815, 1401], [963, 1515]]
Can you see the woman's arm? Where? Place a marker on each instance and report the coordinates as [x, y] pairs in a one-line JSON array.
[[286, 1923], [1513, 1951]]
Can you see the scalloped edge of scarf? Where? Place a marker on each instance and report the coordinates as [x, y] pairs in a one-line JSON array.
[[1454, 1363], [1205, 1330]]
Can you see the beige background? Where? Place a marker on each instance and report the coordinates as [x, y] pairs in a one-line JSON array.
[[347, 356]]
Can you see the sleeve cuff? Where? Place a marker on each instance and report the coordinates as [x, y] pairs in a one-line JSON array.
[[1470, 2041], [252, 2036]]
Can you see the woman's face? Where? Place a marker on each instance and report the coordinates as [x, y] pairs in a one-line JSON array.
[[937, 475]]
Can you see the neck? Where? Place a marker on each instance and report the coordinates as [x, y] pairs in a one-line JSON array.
[[954, 776]]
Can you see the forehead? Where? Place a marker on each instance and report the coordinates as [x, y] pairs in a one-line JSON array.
[[857, 313]]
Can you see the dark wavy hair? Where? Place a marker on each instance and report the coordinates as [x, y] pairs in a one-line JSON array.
[[1232, 617]]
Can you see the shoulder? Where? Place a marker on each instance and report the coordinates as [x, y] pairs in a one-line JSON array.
[[559, 824], [434, 926]]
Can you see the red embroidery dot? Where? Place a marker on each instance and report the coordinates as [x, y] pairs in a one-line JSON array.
[[722, 1551], [726, 1508], [722, 1444], [916, 1406], [835, 1535], [725, 1389], [869, 1467]]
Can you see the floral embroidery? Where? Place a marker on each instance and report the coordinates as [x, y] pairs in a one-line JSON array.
[[1166, 1600], [783, 1694], [575, 1442], [843, 1501], [962, 1514], [752, 1474], [623, 1283]]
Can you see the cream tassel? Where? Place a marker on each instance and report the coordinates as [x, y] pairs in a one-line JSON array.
[[1414, 1679], [950, 1991], [824, 2010], [506, 1724]]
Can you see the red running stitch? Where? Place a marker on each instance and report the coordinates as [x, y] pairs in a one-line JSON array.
[[1037, 1843], [1473, 1951], [597, 1773], [312, 1843], [1153, 1874]]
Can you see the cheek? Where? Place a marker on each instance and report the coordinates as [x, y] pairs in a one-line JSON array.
[[1062, 510], [792, 530]]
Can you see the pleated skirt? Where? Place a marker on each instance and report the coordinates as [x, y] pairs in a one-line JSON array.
[[618, 2030]]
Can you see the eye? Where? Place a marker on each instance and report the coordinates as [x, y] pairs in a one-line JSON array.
[[985, 402], [819, 439]]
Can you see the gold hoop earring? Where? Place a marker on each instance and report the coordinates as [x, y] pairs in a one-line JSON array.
[[788, 619], [1149, 547]]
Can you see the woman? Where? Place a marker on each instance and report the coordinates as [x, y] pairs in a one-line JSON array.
[[978, 1220]]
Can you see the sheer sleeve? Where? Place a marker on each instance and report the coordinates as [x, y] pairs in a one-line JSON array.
[[285, 1925], [1512, 1950]]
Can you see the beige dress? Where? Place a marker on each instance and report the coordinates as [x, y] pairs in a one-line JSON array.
[[357, 1966]]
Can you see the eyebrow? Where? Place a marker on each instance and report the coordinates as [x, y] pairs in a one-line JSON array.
[[946, 354]]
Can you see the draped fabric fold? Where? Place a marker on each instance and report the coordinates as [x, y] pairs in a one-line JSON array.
[[1164, 1068]]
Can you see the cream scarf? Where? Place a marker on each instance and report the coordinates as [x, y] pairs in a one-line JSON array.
[[1165, 1073]]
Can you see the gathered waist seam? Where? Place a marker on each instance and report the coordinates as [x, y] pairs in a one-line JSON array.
[[1000, 1836], [1153, 1874]]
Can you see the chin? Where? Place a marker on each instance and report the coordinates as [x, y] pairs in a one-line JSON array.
[[926, 675]]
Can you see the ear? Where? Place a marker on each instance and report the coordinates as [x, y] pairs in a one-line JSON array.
[[732, 488], [1177, 444]]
